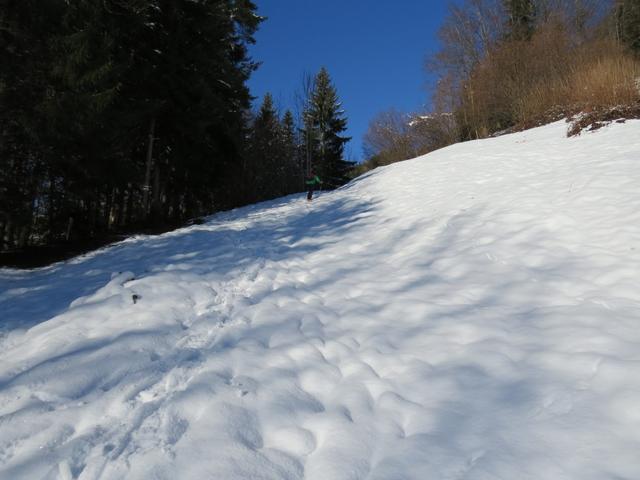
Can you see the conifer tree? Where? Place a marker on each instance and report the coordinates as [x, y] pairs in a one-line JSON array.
[[177, 71], [293, 171], [113, 110], [266, 151], [26, 59], [324, 123]]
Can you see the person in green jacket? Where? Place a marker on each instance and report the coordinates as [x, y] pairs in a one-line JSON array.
[[312, 181]]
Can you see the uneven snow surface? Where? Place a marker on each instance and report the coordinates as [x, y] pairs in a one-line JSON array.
[[471, 314]]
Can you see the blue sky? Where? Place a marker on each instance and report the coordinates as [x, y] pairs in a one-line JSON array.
[[374, 51]]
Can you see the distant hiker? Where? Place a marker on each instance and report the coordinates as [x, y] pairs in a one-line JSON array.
[[312, 181]]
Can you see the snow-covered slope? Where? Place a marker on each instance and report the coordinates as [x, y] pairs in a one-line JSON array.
[[472, 314]]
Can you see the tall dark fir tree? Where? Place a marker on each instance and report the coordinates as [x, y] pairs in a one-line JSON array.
[[266, 153], [324, 123], [27, 28], [293, 176], [119, 112]]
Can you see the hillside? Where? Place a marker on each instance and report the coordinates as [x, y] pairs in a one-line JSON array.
[[470, 314]]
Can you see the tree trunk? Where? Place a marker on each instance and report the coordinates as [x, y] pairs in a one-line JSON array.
[[147, 175], [95, 216], [176, 206], [3, 225], [23, 236], [50, 208], [69, 227], [129, 216], [9, 234], [155, 202], [106, 211], [122, 211], [118, 203]]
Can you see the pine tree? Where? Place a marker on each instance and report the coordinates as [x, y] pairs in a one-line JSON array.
[[114, 110], [92, 146], [521, 18], [266, 152], [26, 59], [177, 71], [293, 168], [324, 122]]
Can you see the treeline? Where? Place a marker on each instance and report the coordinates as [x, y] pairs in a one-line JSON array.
[[509, 64], [282, 150], [119, 115]]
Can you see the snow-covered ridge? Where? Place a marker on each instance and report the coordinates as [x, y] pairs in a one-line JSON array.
[[470, 314]]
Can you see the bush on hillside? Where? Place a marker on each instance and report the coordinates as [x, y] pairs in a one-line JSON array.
[[525, 83], [570, 61]]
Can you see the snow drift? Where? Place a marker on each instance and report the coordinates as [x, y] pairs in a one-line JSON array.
[[470, 314]]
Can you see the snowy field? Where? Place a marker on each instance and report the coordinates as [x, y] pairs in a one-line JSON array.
[[471, 314]]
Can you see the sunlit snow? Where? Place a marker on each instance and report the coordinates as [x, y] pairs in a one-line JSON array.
[[470, 314]]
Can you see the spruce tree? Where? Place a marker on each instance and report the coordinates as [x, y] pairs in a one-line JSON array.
[[266, 152], [178, 73], [293, 170], [27, 29], [115, 109], [324, 123]]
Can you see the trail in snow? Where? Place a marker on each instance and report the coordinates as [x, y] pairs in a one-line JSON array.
[[467, 315]]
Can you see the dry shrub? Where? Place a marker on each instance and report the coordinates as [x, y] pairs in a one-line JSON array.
[[604, 87], [604, 76], [514, 83], [525, 83], [600, 81], [393, 136], [387, 138]]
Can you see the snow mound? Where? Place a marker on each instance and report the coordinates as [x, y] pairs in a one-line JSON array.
[[470, 314]]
